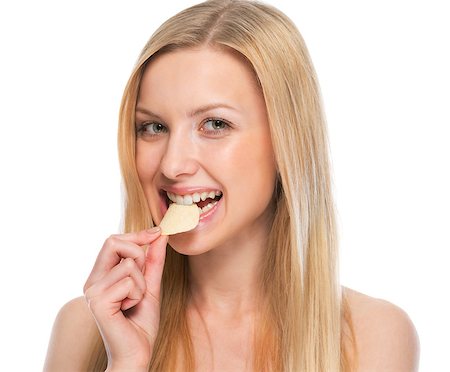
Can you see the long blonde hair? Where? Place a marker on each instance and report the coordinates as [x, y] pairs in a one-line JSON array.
[[303, 315]]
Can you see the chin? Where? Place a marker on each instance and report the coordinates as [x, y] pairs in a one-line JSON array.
[[187, 244]]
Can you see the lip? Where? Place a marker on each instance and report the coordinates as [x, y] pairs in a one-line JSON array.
[[163, 203], [205, 218]]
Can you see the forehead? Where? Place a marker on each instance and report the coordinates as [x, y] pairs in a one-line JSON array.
[[197, 74]]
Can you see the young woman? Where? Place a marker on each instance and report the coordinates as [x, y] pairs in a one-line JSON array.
[[223, 109]]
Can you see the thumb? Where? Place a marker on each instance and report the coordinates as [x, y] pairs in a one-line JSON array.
[[154, 264]]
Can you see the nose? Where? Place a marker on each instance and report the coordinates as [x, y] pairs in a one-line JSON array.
[[179, 158]]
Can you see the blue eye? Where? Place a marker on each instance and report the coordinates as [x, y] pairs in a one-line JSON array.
[[151, 129], [214, 126]]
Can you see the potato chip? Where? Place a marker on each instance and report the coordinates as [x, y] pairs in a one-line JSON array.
[[179, 218]]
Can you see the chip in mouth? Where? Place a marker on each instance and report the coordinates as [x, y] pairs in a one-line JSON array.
[[179, 218]]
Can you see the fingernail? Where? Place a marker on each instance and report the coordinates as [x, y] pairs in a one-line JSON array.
[[153, 230]]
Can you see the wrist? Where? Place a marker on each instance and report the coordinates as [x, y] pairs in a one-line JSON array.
[[119, 367], [126, 369]]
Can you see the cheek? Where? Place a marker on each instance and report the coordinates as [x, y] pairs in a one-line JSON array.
[[147, 161], [148, 158], [252, 168]]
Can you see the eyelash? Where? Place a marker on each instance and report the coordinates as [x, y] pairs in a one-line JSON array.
[[215, 132], [141, 128]]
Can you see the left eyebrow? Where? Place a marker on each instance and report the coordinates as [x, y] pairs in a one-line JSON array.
[[202, 109]]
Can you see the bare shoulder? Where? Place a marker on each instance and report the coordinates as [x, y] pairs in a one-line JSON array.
[[73, 336], [386, 338]]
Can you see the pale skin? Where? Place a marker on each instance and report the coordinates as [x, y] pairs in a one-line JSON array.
[[197, 133]]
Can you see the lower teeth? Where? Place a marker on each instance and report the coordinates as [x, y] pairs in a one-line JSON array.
[[207, 207]]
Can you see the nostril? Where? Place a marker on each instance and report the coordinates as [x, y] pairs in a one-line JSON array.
[[178, 160]]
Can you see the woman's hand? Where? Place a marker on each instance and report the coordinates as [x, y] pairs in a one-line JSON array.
[[123, 292]]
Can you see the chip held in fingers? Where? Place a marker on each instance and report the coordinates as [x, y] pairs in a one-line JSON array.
[[179, 218]]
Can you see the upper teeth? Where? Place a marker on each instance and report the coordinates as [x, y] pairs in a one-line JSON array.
[[193, 198]]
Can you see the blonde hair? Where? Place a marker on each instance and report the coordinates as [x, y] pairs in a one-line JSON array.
[[303, 317]]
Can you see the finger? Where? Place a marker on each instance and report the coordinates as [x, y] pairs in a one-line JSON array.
[[126, 245], [129, 303], [127, 267], [154, 265], [109, 303], [141, 237], [134, 296], [113, 251]]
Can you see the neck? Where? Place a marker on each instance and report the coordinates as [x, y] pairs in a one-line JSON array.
[[227, 279]]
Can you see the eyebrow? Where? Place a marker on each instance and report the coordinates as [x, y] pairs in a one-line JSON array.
[[212, 106], [198, 111], [147, 112]]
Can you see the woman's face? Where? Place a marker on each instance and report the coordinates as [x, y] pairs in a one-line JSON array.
[[202, 132]]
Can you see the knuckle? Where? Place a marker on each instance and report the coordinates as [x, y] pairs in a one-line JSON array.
[[128, 282], [111, 241], [141, 294], [129, 264], [141, 254]]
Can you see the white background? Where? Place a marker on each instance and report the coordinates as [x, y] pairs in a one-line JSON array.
[[384, 72]]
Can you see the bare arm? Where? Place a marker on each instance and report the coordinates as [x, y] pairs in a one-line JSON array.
[[73, 338], [385, 336], [121, 301]]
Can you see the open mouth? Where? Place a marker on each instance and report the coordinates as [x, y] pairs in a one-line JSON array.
[[205, 200]]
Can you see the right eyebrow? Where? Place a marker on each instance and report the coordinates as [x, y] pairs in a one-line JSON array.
[[147, 112]]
